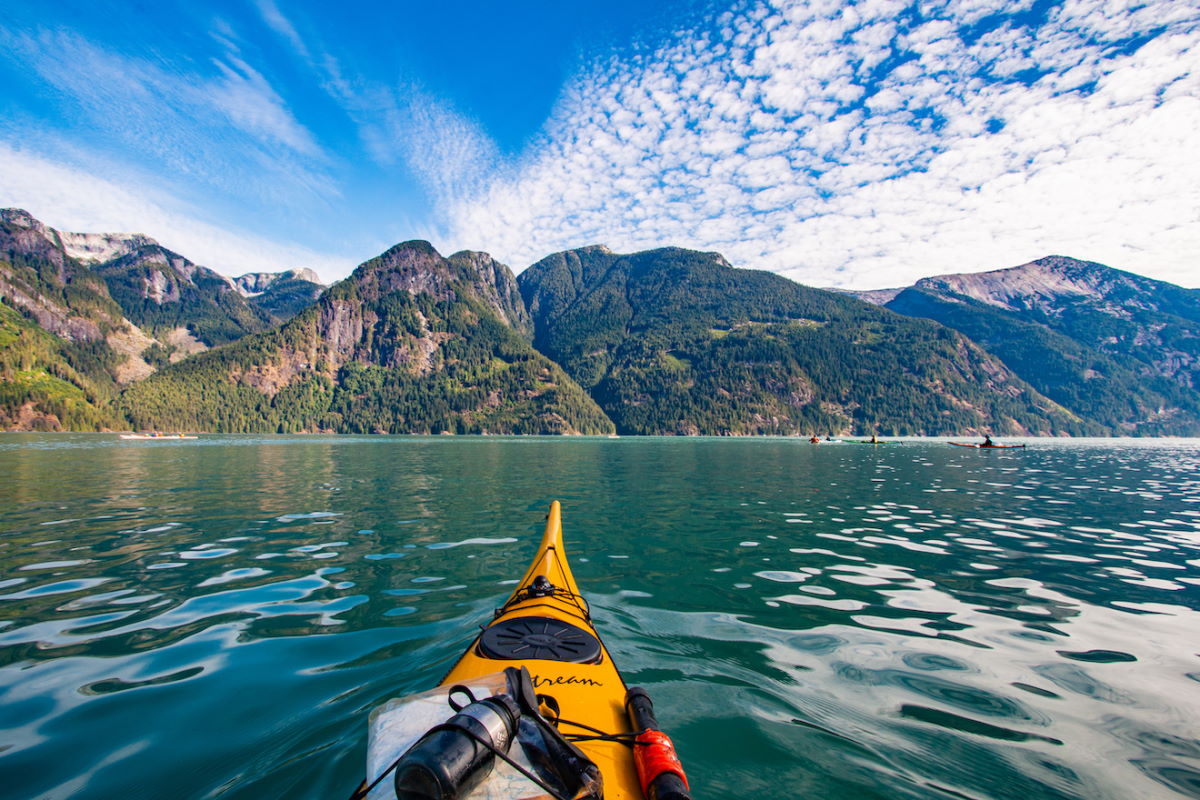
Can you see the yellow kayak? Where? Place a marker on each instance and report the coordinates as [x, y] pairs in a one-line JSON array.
[[534, 625], [543, 639]]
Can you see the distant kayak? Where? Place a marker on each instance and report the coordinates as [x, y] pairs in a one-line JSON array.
[[985, 446], [867, 441], [156, 436]]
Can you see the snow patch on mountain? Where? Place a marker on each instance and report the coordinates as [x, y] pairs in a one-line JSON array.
[[96, 248], [253, 284]]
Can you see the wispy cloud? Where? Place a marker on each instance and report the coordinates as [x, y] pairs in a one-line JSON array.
[[77, 200], [868, 144], [252, 106], [283, 26], [399, 122], [221, 123]]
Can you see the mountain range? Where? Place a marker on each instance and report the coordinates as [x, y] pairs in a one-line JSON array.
[[680, 342], [110, 331], [411, 342], [1114, 347]]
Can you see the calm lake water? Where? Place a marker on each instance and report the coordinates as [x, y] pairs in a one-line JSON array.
[[217, 617]]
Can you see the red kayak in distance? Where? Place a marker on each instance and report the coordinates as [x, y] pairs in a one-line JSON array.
[[985, 446]]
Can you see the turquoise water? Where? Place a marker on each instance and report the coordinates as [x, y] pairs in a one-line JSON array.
[[217, 617]]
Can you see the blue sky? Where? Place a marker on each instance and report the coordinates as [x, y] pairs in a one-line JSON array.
[[861, 144]]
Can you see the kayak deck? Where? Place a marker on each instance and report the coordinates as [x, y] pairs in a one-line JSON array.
[[546, 626]]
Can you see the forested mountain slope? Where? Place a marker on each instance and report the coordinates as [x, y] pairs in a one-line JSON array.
[[678, 341], [667, 341], [64, 342], [161, 291], [48, 383], [1113, 347]]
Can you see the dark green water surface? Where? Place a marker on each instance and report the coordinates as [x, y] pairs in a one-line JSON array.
[[216, 618]]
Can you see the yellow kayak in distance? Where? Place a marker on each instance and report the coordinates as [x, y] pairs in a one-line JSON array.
[[541, 642]]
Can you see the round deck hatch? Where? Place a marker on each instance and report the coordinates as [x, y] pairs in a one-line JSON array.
[[539, 637]]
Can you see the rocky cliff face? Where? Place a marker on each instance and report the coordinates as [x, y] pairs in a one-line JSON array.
[[497, 287], [349, 324], [876, 297], [40, 278], [96, 248]]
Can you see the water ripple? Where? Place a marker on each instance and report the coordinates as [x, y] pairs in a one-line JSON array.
[[900, 624]]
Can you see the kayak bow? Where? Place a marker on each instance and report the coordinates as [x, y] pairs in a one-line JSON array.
[[553, 686], [546, 626]]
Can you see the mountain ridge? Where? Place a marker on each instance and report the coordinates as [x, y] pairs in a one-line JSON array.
[[665, 341], [1111, 345], [255, 283]]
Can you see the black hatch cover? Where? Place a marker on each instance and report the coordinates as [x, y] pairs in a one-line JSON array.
[[539, 637]]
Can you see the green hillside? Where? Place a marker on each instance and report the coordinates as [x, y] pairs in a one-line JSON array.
[[407, 344], [676, 341], [47, 383], [1114, 390]]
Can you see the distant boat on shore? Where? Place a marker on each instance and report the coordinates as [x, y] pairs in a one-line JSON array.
[[156, 436]]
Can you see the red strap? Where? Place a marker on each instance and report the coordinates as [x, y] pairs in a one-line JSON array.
[[654, 754]]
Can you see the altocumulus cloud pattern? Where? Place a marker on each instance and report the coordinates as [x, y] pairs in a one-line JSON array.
[[870, 143]]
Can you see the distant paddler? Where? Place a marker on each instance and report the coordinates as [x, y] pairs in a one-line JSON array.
[[986, 444], [157, 435], [873, 440], [814, 439]]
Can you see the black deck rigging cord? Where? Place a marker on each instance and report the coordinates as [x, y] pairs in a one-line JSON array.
[[361, 793], [548, 589]]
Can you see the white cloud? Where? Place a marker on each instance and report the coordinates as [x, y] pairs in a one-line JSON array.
[[74, 200], [251, 105], [845, 144]]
